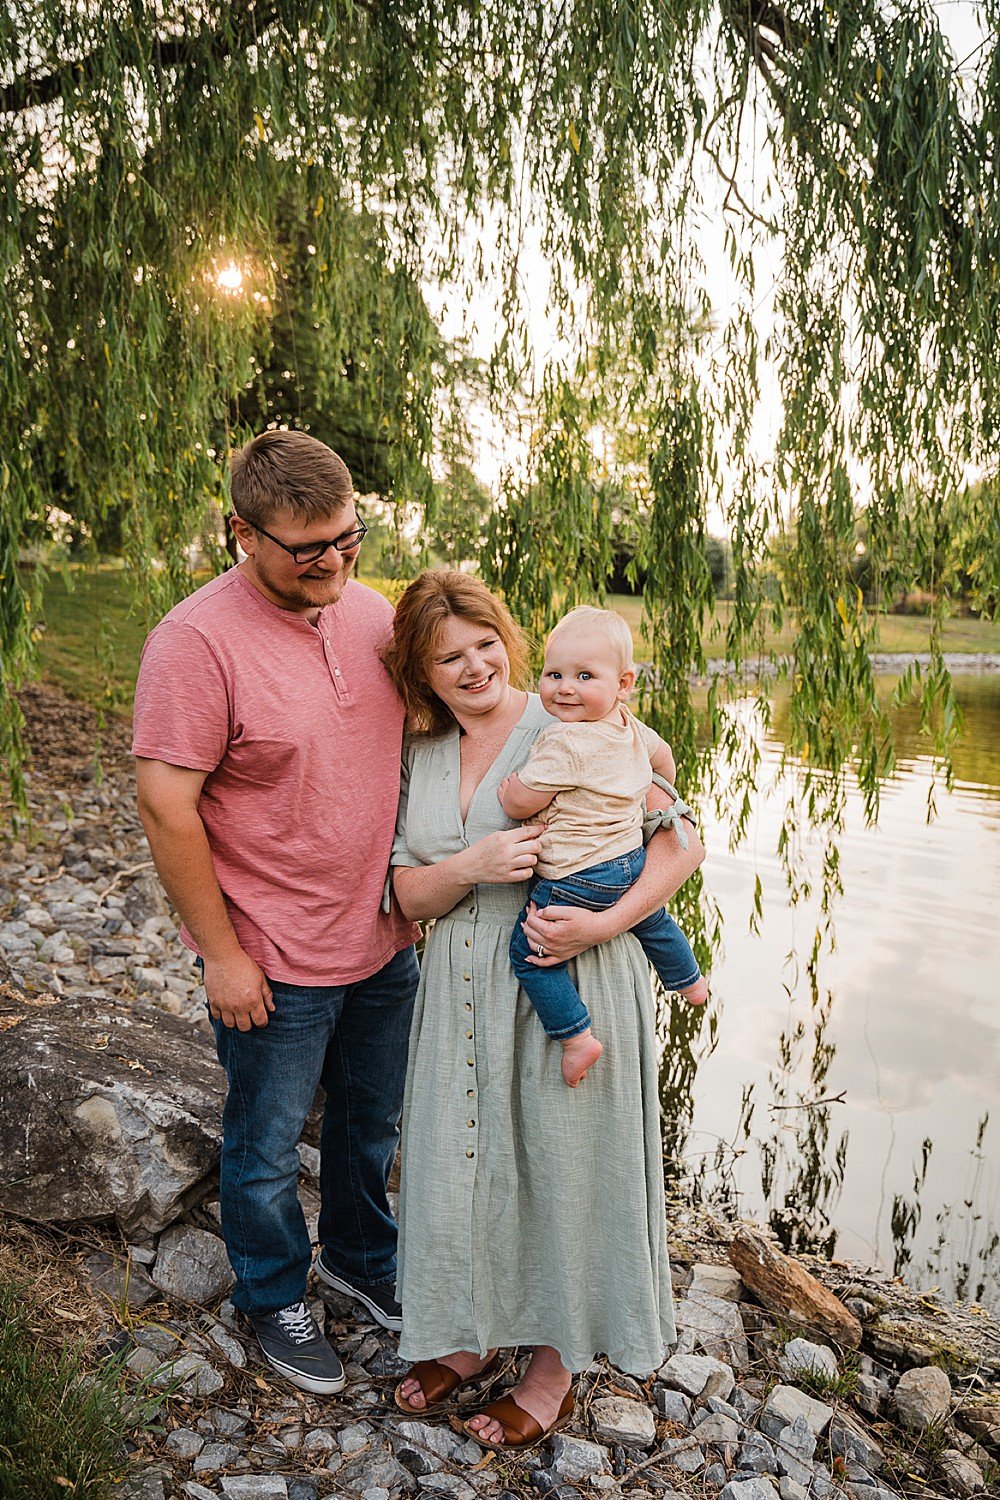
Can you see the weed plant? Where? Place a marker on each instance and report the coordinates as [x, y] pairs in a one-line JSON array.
[[62, 1427]]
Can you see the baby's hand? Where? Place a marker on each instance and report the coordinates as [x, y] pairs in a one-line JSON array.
[[501, 789]]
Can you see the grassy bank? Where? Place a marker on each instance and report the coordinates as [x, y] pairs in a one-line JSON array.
[[91, 633], [62, 1429]]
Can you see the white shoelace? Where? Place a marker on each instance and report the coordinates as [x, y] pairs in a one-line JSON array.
[[297, 1322]]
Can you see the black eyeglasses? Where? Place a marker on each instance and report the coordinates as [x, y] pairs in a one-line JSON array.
[[312, 551]]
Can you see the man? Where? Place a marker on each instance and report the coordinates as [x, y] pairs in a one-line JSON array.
[[267, 737]]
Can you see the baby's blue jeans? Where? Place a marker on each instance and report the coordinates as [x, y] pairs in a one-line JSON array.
[[551, 990]]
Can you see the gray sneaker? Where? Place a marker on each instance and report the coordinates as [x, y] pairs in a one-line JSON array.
[[380, 1300], [293, 1344]]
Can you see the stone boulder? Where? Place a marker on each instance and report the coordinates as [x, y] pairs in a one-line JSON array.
[[109, 1110], [789, 1291], [923, 1397]]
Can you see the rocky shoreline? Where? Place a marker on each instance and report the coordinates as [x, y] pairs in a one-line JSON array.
[[789, 1380]]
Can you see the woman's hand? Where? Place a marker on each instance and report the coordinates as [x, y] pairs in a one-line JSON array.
[[504, 858], [563, 932]]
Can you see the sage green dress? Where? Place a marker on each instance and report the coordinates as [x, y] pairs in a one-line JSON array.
[[530, 1213]]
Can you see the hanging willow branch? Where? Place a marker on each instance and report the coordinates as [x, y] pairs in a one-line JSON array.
[[144, 147]]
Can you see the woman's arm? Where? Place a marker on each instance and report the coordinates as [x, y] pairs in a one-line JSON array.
[[565, 931], [504, 858]]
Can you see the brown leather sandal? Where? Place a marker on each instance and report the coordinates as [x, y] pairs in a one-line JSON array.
[[438, 1382], [520, 1429]]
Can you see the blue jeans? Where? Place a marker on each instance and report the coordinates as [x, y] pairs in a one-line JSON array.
[[551, 990], [353, 1040]]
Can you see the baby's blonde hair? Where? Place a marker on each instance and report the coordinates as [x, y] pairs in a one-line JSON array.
[[603, 622]]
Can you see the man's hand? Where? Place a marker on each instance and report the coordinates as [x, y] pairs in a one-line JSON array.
[[563, 932], [238, 992]]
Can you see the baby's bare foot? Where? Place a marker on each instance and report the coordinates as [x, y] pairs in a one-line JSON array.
[[579, 1054], [697, 993]]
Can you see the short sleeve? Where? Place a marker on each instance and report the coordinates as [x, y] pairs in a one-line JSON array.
[[552, 764], [651, 741], [401, 855], [182, 705]]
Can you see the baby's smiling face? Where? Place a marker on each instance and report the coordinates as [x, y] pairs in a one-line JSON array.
[[580, 682]]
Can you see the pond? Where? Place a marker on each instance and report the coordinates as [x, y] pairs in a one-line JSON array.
[[898, 1026]]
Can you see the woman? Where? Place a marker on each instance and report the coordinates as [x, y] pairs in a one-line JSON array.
[[530, 1214]]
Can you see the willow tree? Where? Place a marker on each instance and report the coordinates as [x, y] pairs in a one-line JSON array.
[[145, 148]]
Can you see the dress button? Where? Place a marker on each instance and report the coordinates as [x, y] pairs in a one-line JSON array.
[[468, 1004], [470, 1154], [472, 1124], [470, 1093], [471, 1061], [468, 1036], [466, 976], [468, 942]]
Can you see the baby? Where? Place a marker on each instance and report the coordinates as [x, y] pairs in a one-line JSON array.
[[590, 773]]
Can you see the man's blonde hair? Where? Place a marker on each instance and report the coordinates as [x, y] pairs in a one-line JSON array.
[[603, 622]]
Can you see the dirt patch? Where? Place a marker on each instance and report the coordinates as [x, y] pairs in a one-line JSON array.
[[64, 737]]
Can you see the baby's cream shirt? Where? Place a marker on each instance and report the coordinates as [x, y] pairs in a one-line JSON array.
[[599, 774]]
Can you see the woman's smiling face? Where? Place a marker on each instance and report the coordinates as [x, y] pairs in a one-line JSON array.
[[469, 669]]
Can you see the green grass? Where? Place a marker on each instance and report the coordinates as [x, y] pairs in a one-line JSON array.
[[62, 1428], [897, 633], [90, 633]]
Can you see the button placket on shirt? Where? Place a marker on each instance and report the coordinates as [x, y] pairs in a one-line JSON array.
[[468, 1011], [333, 666]]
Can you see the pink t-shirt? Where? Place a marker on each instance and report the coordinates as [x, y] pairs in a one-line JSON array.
[[300, 731]]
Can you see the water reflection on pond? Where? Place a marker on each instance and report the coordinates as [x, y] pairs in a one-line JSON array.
[[899, 1025]]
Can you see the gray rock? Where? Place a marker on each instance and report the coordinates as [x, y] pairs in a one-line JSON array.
[[869, 1393], [961, 1476], [850, 1441], [422, 1447], [716, 1475], [230, 1348], [802, 1357], [922, 1397], [192, 1265], [107, 1111], [302, 1489], [447, 1484], [717, 1281], [229, 1422], [216, 1456], [673, 1405], [717, 1325], [319, 1443], [690, 1373], [746, 1404], [191, 1374], [354, 1438], [789, 1490], [184, 1443], [795, 1447], [143, 899], [715, 1428], [822, 1483], [748, 1489], [573, 1459], [615, 1419], [722, 1408], [785, 1403], [757, 1454], [253, 1487], [196, 1491], [147, 1485], [123, 1282], [376, 1470], [684, 1453]]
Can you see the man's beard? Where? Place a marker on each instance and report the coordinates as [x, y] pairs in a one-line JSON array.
[[305, 592]]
